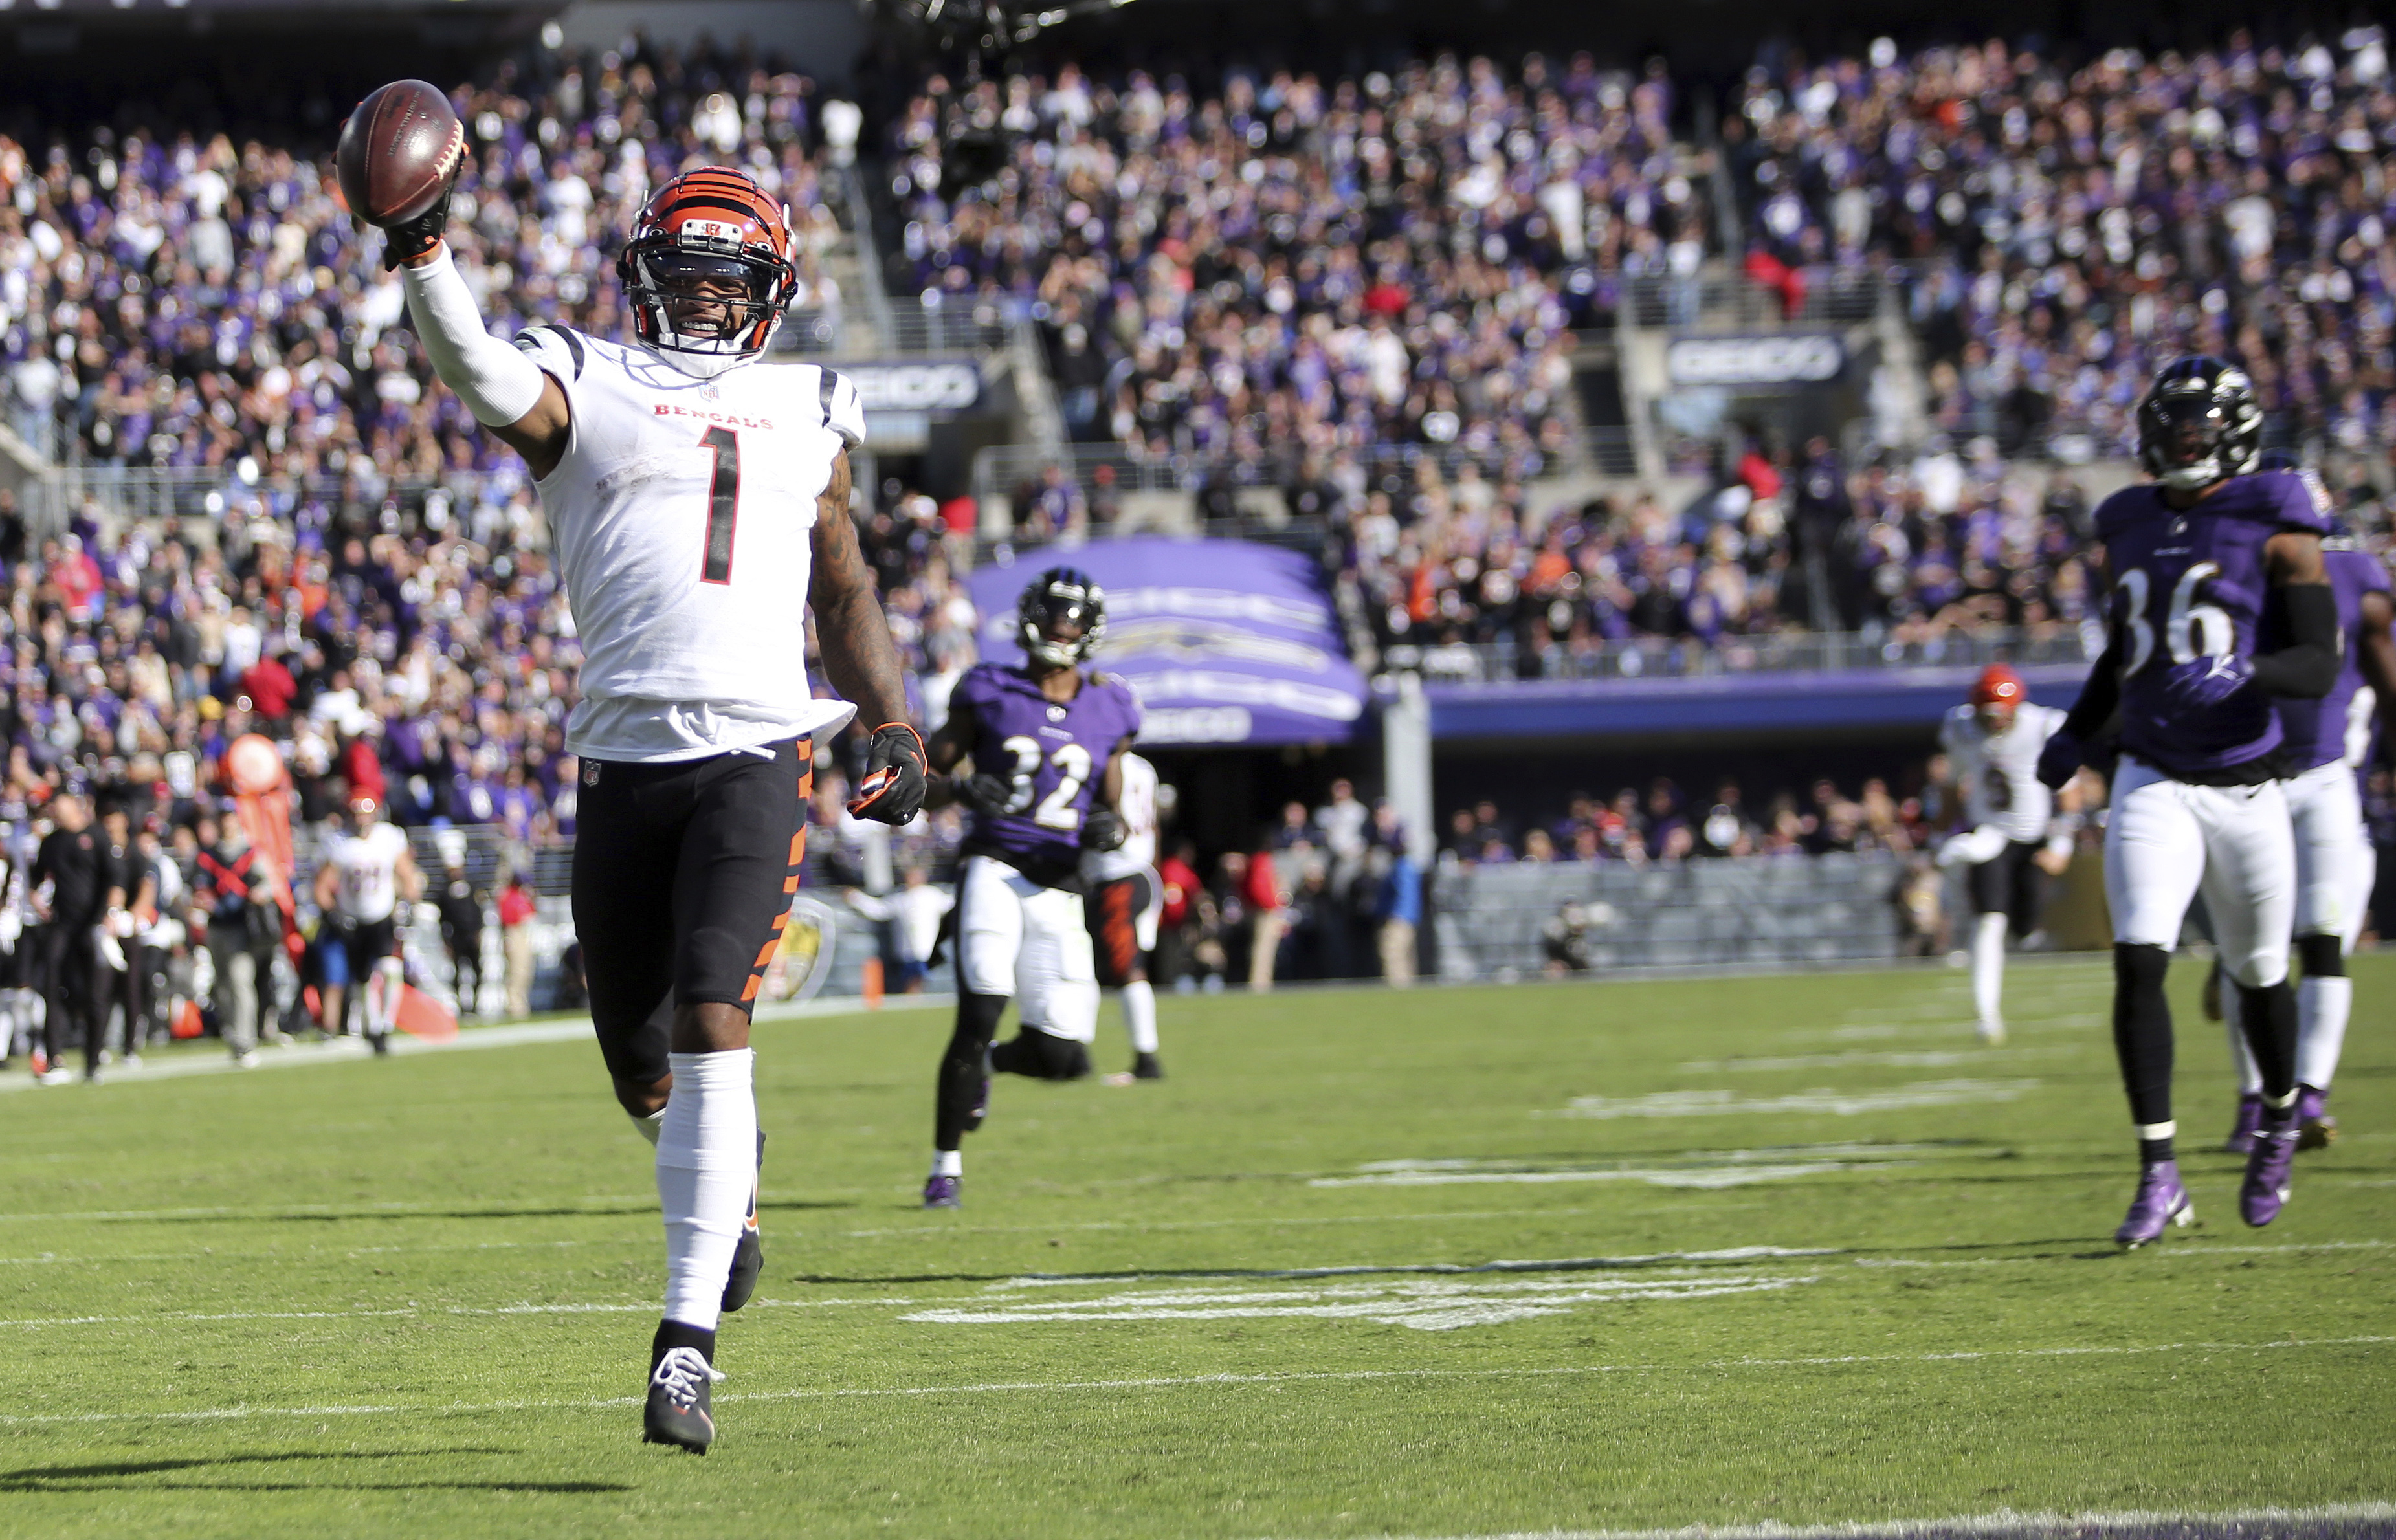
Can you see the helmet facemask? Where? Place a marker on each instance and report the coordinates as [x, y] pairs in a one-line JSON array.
[[705, 312], [1049, 607], [707, 273], [2200, 425]]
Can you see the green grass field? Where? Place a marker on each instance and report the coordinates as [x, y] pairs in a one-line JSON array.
[[1785, 1249]]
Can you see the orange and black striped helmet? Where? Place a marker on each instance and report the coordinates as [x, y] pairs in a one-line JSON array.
[[711, 225]]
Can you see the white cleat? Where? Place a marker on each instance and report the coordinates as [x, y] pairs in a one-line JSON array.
[[1992, 1035]]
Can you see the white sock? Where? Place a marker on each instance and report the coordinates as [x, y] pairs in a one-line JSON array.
[[2322, 1006], [383, 1004], [1139, 1015], [649, 1127], [947, 1163], [707, 1162], [1989, 966]]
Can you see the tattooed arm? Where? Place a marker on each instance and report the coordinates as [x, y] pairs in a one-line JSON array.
[[857, 655]]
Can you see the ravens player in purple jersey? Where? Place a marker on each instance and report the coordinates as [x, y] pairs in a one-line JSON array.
[[2327, 741], [2197, 559], [1044, 739]]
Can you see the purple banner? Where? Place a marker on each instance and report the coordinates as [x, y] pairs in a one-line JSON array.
[[1224, 641]]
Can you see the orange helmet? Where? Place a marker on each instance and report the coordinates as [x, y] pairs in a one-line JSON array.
[[712, 225], [1998, 685]]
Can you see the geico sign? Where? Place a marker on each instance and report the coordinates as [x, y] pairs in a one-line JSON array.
[[1754, 360], [915, 387]]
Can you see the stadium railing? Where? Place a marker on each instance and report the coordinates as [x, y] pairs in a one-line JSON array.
[[1491, 922], [1720, 297], [1780, 652], [998, 471]]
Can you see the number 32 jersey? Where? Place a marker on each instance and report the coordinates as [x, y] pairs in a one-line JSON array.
[[1051, 755], [681, 516], [2189, 588]]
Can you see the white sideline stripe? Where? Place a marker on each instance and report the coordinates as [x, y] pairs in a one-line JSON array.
[[2003, 1523], [521, 1034], [1175, 1382], [650, 1307]]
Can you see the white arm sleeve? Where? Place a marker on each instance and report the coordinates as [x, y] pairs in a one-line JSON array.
[[498, 383]]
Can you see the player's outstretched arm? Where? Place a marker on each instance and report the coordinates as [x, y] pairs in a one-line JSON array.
[[522, 407], [2307, 668]]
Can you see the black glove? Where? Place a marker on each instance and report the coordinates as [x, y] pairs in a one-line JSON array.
[[1103, 830], [892, 792], [987, 794], [412, 239]]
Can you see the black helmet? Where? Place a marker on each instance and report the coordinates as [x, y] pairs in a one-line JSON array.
[[1061, 593], [2198, 424]]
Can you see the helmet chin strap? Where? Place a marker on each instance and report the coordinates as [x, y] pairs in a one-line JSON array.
[[2191, 478]]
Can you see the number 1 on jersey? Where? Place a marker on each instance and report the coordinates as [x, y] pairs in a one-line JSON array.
[[723, 503]]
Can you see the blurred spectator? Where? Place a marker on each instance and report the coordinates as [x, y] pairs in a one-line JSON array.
[[516, 908], [1398, 905]]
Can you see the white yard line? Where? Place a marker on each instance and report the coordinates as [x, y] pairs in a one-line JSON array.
[[372, 1313], [396, 1210], [2001, 1524], [1200, 1381], [177, 1066], [1844, 1104]]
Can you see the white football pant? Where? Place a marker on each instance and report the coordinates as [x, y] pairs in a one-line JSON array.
[[1016, 937], [2336, 868], [2166, 839]]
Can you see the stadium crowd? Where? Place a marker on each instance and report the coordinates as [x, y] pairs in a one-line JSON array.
[[1292, 271], [1901, 551], [1273, 269], [2071, 229]]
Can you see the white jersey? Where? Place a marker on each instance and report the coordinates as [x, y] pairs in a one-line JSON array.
[[368, 869], [1138, 807], [681, 516], [1999, 771]]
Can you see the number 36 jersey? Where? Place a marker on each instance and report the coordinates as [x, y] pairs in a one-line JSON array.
[[681, 516], [1050, 755], [2189, 589]]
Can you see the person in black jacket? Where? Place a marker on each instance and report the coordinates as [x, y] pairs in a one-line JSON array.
[[70, 899], [461, 903]]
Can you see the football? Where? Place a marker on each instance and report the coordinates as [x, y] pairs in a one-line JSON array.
[[398, 150]]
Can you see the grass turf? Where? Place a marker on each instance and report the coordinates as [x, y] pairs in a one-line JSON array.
[[414, 1296]]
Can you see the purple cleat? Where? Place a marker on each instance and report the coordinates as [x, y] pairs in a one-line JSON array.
[[2241, 1132], [2265, 1192], [2160, 1200], [944, 1192], [2315, 1128]]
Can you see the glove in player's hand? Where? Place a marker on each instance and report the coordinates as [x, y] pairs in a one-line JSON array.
[[893, 789], [414, 238], [987, 794], [2202, 682], [2059, 761], [1103, 830]]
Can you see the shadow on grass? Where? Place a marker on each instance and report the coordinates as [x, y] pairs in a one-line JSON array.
[[112, 1474]]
